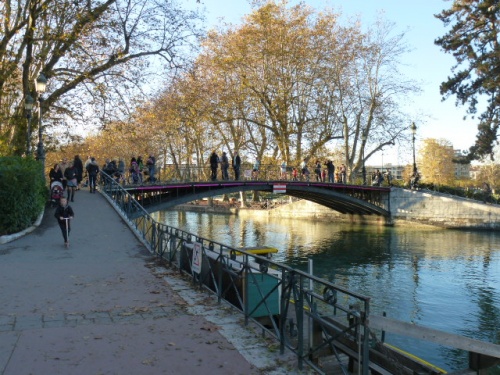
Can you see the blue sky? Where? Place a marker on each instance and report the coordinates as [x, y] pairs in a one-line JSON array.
[[425, 64]]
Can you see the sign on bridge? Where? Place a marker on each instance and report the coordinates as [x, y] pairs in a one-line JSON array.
[[279, 188]]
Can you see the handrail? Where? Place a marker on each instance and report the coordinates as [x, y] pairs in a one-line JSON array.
[[287, 303]]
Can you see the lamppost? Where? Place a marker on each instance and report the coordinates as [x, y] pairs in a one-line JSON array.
[[41, 84], [413, 128], [363, 142], [28, 106]]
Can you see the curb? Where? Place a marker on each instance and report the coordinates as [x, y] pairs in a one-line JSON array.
[[11, 237]]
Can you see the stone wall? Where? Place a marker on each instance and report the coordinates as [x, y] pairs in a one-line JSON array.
[[303, 209], [443, 210]]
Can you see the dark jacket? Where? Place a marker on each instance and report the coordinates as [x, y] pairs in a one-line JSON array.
[[70, 173], [237, 162], [65, 212], [55, 175], [214, 160], [78, 165], [92, 168], [110, 168]]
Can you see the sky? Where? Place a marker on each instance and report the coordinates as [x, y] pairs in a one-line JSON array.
[[425, 63]]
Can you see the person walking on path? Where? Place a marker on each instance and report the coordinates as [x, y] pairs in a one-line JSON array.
[[62, 166], [70, 176], [55, 174], [64, 213], [92, 171], [78, 165]]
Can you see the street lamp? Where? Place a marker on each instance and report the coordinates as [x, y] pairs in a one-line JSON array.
[[40, 84], [413, 128], [363, 142], [28, 106]]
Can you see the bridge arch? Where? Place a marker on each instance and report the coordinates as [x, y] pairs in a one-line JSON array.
[[346, 199]]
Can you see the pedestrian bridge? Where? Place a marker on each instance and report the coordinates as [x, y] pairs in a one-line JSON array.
[[346, 199]]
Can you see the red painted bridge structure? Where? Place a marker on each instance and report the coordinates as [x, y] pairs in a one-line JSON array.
[[347, 199]]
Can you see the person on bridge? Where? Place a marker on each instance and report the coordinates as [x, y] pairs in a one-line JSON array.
[[377, 178], [283, 170], [151, 164], [317, 171], [224, 165], [236, 166], [92, 172], [388, 177], [343, 174], [214, 164], [304, 170], [331, 171], [255, 170]]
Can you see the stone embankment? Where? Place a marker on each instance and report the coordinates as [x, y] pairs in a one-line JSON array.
[[442, 210]]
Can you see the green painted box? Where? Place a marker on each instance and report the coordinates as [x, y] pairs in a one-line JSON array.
[[259, 285]]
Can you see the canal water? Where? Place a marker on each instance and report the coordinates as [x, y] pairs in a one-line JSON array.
[[443, 279]]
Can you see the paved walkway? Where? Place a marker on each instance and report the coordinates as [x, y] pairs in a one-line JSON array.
[[105, 307]]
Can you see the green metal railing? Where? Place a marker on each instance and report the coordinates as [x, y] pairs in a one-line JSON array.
[[306, 314]]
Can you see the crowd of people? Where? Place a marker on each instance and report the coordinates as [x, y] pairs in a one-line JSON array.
[[137, 170], [223, 161], [71, 174], [319, 170], [323, 171]]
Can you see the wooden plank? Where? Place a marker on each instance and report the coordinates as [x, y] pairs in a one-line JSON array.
[[351, 353], [433, 335]]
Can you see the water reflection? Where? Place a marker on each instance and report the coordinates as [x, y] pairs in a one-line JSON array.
[[443, 279]]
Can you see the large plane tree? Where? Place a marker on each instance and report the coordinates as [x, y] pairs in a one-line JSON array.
[[473, 40], [98, 56]]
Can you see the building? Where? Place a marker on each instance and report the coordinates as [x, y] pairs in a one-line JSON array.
[[462, 170]]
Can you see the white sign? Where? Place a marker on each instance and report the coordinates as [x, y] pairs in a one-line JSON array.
[[197, 256], [279, 189]]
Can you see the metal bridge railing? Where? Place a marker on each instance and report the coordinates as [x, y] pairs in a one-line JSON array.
[[308, 315], [195, 173]]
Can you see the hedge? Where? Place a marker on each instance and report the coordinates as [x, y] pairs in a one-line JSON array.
[[23, 193]]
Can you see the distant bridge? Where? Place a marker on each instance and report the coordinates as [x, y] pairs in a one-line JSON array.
[[346, 199]]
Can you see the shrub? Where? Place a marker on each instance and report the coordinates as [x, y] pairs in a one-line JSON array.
[[23, 193]]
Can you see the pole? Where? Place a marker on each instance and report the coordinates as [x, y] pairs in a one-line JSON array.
[[364, 168], [67, 231], [414, 160], [28, 136], [40, 150], [413, 129]]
